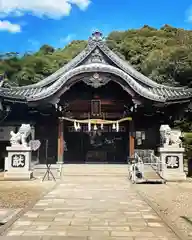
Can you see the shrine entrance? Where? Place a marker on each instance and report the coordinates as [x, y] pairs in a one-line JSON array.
[[96, 146], [97, 143]]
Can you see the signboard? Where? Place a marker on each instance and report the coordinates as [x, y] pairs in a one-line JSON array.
[[96, 107], [18, 161], [5, 132]]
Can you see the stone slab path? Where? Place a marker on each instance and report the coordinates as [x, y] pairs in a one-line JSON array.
[[91, 208], [6, 214]]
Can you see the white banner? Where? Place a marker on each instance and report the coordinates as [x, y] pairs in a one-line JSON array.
[[5, 132]]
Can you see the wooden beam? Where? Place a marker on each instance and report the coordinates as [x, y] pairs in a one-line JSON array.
[[131, 146], [131, 139], [60, 142]]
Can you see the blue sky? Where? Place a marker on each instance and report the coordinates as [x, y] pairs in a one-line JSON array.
[[27, 24]]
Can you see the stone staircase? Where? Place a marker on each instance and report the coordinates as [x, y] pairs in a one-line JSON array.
[[95, 170], [115, 170], [108, 170]]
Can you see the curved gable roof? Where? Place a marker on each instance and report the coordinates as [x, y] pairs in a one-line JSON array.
[[99, 67]]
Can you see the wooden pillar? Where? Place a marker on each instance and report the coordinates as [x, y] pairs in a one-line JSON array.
[[60, 145], [131, 139]]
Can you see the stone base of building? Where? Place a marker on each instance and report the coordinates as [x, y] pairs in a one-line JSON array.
[[18, 176]]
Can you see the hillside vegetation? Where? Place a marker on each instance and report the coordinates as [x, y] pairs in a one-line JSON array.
[[162, 54]]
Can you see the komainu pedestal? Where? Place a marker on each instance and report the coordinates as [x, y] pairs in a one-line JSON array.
[[172, 163], [18, 161], [171, 154]]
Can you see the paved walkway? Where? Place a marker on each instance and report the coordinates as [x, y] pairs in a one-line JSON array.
[[92, 208], [7, 214]]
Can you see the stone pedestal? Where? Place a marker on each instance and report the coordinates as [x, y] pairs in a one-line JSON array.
[[18, 163], [172, 168]]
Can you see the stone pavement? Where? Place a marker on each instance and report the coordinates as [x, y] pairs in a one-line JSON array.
[[6, 214], [91, 208]]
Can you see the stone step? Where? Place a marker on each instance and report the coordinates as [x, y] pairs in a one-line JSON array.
[[84, 170], [95, 169]]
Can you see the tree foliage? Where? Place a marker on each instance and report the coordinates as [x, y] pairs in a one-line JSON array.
[[32, 68], [162, 54]]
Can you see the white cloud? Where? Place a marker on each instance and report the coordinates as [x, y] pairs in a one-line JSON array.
[[82, 4], [189, 14], [10, 27], [49, 8]]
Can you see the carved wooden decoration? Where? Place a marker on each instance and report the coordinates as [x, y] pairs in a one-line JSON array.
[[96, 57], [96, 80]]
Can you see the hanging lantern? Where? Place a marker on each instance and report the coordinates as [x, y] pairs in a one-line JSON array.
[[113, 127], [101, 126], [117, 126], [89, 126], [95, 127]]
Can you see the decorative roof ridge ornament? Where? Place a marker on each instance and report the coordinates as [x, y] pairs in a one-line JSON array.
[[96, 37]]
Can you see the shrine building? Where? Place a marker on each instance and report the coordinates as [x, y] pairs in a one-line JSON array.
[[96, 108]]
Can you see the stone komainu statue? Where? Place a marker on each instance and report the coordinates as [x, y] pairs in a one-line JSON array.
[[170, 137], [20, 138]]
